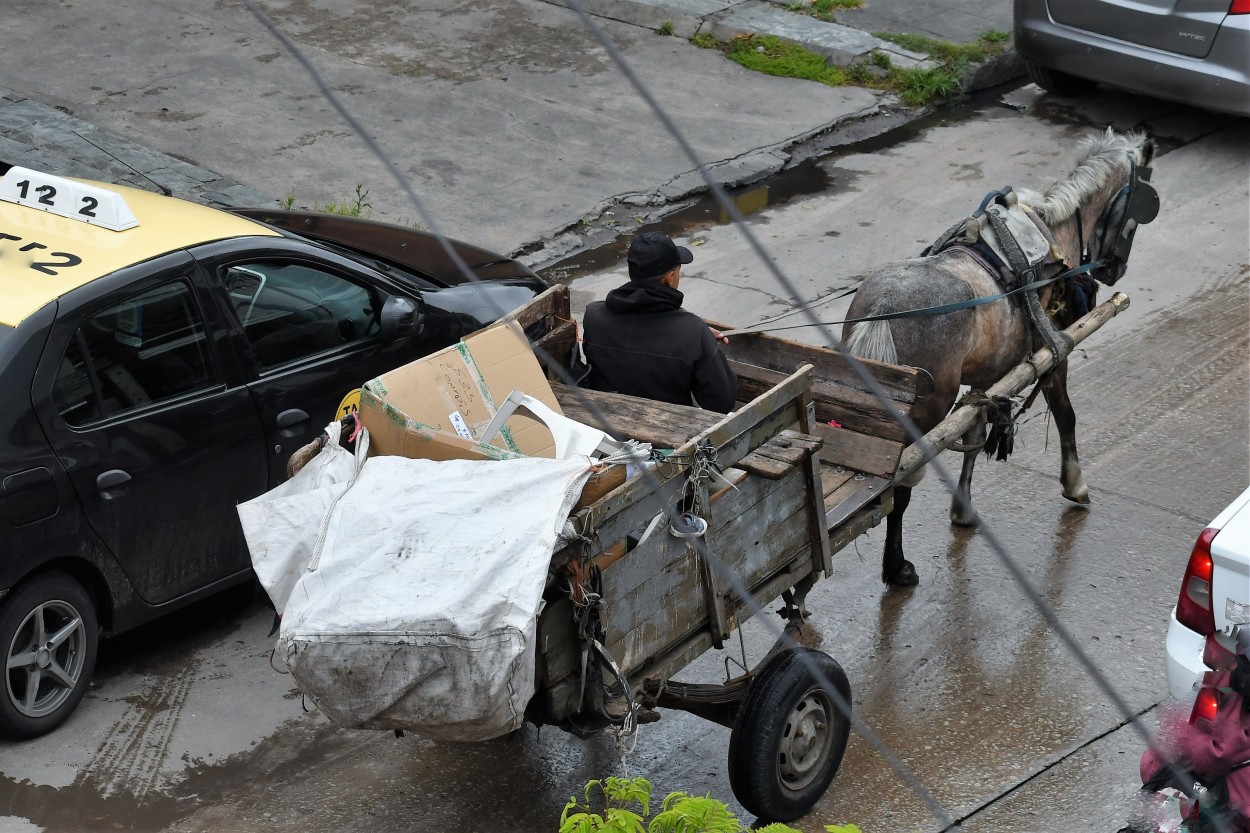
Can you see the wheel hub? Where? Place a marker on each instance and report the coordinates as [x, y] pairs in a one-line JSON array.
[[807, 741], [43, 657]]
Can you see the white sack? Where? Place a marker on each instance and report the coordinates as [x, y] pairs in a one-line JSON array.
[[281, 525], [421, 610]]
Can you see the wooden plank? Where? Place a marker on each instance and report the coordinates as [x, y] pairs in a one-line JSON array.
[[751, 546], [764, 466], [687, 643], [554, 301], [682, 651], [853, 410], [861, 452], [862, 521], [781, 354], [831, 477], [661, 550], [822, 556], [660, 423], [622, 510]]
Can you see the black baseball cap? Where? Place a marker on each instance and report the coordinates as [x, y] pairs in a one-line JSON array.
[[653, 253]]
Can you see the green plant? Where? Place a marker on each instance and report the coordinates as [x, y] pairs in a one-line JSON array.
[[705, 40], [773, 56], [287, 202], [666, 28], [920, 86], [823, 9], [679, 812], [355, 206]]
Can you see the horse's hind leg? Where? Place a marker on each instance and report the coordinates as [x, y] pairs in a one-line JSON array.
[[1055, 389], [972, 442], [895, 569]]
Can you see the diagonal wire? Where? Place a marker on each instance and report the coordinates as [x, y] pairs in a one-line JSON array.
[[910, 429]]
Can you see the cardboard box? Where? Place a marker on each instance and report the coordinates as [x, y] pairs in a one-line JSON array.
[[438, 406]]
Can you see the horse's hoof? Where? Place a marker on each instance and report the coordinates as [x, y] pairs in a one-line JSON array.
[[905, 576], [960, 520], [1081, 499]]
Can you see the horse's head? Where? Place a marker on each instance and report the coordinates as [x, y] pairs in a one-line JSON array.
[[1135, 203], [1108, 196]]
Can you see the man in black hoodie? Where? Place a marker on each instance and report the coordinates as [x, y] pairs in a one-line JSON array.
[[641, 342]]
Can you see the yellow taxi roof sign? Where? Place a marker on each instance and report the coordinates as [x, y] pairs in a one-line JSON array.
[[45, 254], [76, 200]]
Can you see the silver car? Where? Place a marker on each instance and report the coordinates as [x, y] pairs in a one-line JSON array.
[[1192, 51]]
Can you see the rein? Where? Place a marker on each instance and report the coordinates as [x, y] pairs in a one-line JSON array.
[[941, 309]]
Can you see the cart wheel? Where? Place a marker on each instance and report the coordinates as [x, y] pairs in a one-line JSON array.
[[789, 736]]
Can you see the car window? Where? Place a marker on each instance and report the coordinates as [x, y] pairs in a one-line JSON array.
[[147, 349], [290, 311]]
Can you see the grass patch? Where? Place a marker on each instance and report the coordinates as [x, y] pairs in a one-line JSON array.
[[988, 43], [666, 28], [774, 56], [823, 9]]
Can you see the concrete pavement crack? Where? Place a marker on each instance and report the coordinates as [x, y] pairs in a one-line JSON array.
[[954, 825]]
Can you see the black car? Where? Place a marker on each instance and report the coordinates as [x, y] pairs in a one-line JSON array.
[[161, 360]]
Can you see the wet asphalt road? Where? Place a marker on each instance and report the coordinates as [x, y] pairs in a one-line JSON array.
[[188, 729]]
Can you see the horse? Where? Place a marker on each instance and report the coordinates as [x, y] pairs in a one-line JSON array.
[[1089, 218]]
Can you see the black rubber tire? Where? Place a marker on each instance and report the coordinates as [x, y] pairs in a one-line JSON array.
[[769, 777], [1059, 83], [62, 606]]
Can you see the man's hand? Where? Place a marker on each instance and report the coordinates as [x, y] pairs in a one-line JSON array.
[[718, 335]]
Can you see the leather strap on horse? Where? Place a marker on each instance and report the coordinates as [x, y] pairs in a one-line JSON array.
[[1060, 343]]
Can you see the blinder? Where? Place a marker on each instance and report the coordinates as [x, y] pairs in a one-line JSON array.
[[1136, 204]]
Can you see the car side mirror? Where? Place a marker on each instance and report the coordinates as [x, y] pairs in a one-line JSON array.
[[400, 318]]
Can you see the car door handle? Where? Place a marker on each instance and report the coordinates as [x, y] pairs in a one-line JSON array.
[[110, 484], [289, 422]]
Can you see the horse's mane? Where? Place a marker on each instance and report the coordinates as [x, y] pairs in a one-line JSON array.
[[1098, 159]]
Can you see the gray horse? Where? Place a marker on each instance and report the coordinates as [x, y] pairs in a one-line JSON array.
[[1091, 216]]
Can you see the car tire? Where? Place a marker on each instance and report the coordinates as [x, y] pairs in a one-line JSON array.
[[48, 631], [789, 735], [1059, 83]]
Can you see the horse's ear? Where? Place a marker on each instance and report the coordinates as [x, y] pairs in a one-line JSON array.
[[1147, 152]]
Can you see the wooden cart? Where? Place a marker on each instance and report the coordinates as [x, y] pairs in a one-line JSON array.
[[798, 470]]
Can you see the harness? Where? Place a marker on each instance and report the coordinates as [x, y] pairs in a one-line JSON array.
[[1011, 242]]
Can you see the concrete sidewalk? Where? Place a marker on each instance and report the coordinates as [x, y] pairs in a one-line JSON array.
[[507, 116]]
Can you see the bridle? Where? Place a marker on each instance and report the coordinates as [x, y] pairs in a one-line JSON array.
[[1135, 204]]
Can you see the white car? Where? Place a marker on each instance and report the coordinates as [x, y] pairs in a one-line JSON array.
[[1215, 593]]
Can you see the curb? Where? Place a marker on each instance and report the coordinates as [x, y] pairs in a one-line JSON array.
[[52, 139]]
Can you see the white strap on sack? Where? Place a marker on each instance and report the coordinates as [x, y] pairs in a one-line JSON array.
[[362, 453]]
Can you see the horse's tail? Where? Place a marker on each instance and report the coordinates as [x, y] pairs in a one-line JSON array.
[[873, 340]]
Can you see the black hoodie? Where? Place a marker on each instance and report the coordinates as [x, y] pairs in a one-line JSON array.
[[641, 342]]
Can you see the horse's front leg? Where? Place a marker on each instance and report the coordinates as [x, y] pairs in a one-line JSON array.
[[895, 569], [971, 443], [1055, 389]]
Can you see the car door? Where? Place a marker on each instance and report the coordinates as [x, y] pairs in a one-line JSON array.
[[310, 323], [151, 422]]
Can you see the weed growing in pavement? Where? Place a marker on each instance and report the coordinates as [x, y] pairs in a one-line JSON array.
[[916, 86], [623, 799], [823, 9], [774, 56], [666, 28], [354, 206], [990, 42]]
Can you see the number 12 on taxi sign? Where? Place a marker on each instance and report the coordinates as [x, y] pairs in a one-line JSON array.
[[75, 200]]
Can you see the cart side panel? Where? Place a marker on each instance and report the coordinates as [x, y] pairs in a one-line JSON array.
[[751, 534]]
